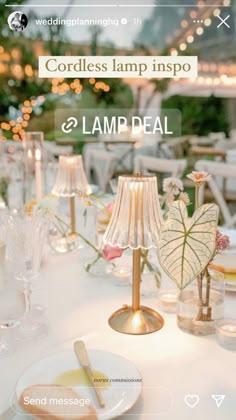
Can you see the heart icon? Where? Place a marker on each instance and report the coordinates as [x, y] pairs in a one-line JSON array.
[[191, 400]]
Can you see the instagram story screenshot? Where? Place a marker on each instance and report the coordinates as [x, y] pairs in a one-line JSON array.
[[117, 209]]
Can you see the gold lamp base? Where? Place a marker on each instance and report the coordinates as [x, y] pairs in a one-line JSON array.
[[142, 321]]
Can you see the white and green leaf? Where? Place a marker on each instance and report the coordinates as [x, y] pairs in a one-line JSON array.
[[187, 244]]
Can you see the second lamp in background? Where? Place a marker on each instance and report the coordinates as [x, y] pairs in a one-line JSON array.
[[70, 181]]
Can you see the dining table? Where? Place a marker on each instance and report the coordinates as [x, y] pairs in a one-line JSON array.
[[176, 367]]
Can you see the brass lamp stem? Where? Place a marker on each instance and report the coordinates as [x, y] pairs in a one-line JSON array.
[[72, 214], [136, 280]]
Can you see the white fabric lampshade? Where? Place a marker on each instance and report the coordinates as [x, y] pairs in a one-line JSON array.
[[136, 217], [71, 178]]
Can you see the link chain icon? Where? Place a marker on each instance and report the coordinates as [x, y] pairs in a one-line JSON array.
[[69, 124]]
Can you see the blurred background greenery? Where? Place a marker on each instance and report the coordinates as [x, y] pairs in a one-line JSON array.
[[27, 102]]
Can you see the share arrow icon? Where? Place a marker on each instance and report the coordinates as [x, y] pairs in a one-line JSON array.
[[218, 399]]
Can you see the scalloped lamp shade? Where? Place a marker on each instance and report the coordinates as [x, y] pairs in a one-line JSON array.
[[71, 178], [135, 223], [136, 217]]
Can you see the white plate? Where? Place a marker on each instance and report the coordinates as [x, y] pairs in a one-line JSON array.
[[230, 286], [119, 396]]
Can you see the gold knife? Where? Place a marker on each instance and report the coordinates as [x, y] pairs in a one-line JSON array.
[[81, 353]]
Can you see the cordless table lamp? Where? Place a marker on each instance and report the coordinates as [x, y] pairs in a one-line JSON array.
[[135, 223], [71, 180]]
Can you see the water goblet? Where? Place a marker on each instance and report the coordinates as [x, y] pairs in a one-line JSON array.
[[12, 310], [25, 245]]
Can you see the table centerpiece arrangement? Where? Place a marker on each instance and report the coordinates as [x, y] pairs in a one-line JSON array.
[[186, 248]]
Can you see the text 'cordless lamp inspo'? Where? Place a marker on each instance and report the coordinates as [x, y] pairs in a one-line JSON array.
[[135, 223], [71, 180]]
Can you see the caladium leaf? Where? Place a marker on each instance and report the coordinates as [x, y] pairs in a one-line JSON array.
[[187, 244]]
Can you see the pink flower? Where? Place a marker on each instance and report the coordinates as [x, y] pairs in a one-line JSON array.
[[110, 206], [222, 242], [109, 252], [104, 215], [172, 185], [170, 199], [199, 177], [185, 198]]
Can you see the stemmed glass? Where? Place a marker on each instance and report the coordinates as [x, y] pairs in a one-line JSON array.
[[12, 310], [12, 298], [26, 239]]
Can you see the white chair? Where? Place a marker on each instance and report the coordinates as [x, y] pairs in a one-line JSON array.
[[172, 148], [145, 164], [201, 141], [231, 156], [87, 150], [217, 136], [54, 150], [11, 146], [221, 174], [102, 165], [232, 134]]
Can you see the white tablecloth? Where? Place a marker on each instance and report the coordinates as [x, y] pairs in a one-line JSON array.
[[172, 363]]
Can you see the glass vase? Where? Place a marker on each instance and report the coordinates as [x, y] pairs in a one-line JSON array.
[[201, 304], [62, 242], [60, 237], [97, 265]]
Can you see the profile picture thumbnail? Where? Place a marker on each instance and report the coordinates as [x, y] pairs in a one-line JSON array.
[[17, 21]]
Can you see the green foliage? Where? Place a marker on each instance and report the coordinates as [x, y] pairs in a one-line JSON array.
[[119, 96], [16, 88], [200, 116], [187, 245]]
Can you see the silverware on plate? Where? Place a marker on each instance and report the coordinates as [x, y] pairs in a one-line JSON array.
[[81, 353]]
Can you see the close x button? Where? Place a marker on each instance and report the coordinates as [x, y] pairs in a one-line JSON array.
[[224, 21]]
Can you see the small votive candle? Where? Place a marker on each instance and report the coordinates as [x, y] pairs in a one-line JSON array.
[[2, 260], [167, 299], [226, 333], [123, 275]]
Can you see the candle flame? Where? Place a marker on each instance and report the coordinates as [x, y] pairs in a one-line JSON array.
[[38, 154]]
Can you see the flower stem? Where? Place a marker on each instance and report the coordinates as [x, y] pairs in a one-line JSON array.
[[155, 272], [96, 199], [208, 289], [88, 266], [199, 316], [80, 236], [196, 196]]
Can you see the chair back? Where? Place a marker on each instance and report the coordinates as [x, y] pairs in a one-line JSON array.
[[224, 172], [145, 164], [103, 165]]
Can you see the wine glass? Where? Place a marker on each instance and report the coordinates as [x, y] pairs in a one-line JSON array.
[[26, 239], [12, 309], [113, 185]]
